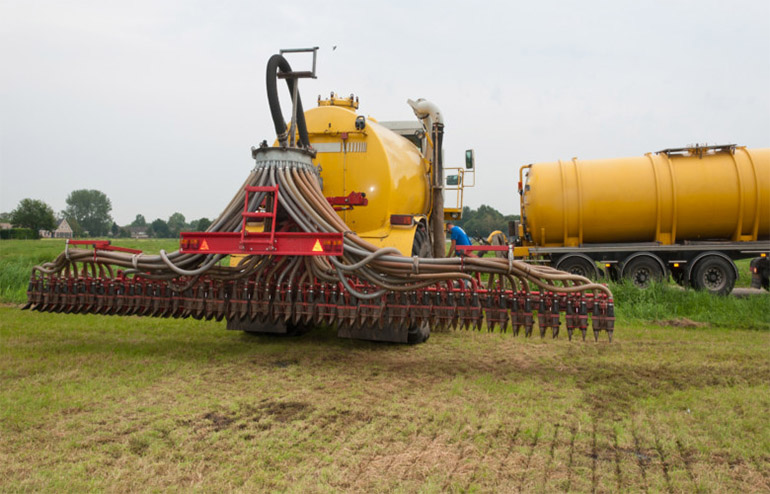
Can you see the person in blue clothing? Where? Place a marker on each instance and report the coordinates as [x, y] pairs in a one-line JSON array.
[[458, 237]]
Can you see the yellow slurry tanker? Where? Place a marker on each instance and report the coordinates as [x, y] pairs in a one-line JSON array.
[[688, 212], [340, 222]]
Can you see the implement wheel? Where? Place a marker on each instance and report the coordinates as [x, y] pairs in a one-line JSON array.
[[715, 274], [418, 334], [642, 271]]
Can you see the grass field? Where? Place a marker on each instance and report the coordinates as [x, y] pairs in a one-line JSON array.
[[679, 402]]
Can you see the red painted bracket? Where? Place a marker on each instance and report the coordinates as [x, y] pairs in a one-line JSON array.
[[485, 248], [103, 245], [348, 201], [268, 243]]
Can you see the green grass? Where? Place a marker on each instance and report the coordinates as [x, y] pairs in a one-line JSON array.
[[669, 303], [17, 257], [678, 402], [131, 404]]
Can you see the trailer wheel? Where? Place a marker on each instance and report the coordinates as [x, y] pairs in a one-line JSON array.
[[579, 265], [642, 271], [421, 244], [715, 274]]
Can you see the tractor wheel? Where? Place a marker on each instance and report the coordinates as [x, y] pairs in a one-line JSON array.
[[715, 274], [421, 244]]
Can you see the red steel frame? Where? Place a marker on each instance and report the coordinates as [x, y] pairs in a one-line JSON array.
[[102, 245], [262, 243], [485, 248]]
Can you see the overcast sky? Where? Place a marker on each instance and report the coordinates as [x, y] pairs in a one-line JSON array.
[[158, 103]]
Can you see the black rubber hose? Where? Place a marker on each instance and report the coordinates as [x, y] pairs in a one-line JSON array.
[[278, 62]]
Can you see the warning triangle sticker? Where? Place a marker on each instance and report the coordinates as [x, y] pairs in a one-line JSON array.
[[317, 247], [204, 245]]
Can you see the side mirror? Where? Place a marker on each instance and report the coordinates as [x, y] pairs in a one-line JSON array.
[[453, 180], [470, 159]]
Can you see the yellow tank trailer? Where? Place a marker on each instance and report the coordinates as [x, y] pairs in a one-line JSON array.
[[392, 166], [688, 212], [356, 154]]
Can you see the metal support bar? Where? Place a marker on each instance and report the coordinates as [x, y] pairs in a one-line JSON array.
[[103, 245], [273, 243]]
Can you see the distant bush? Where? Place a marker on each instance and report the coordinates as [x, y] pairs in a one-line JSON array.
[[19, 234]]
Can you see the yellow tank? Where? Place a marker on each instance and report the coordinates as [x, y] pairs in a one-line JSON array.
[[720, 192], [356, 154]]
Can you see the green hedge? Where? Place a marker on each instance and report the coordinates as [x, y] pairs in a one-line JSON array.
[[18, 234]]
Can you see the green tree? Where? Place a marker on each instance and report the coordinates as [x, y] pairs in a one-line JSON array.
[[115, 229], [484, 220], [33, 214], [139, 221], [201, 225], [176, 224], [5, 217], [91, 209], [159, 229]]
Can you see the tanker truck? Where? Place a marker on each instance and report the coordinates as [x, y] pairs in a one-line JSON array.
[[687, 213]]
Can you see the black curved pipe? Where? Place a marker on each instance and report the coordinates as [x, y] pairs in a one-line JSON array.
[[278, 62]]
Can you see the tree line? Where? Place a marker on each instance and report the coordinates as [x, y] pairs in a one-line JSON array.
[[484, 220], [88, 213]]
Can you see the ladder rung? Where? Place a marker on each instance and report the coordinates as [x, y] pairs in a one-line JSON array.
[[266, 188], [247, 214]]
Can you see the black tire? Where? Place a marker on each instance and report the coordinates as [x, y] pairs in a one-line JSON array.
[[421, 245], [418, 334], [579, 266], [714, 274], [643, 270]]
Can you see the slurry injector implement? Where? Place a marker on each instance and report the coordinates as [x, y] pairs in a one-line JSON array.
[[339, 223]]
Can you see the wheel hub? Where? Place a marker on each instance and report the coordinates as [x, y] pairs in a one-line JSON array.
[[642, 277], [713, 278]]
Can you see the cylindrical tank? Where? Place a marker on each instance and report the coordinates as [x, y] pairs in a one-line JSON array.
[[356, 154], [719, 193]]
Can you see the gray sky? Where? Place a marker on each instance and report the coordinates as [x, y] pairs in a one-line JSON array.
[[158, 103]]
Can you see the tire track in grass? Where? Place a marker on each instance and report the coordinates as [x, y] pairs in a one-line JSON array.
[[594, 456], [573, 433], [551, 452], [618, 472], [417, 458], [314, 429], [662, 455], [511, 443], [529, 456], [317, 463], [481, 460], [686, 462], [640, 457], [391, 440], [452, 473]]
